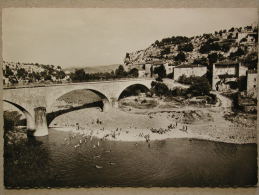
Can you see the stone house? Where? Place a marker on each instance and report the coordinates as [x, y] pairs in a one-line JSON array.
[[169, 68], [225, 74], [141, 73], [189, 70], [251, 85]]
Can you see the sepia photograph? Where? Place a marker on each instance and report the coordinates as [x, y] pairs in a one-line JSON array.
[[133, 97]]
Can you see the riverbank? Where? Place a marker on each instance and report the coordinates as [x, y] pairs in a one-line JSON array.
[[158, 123]]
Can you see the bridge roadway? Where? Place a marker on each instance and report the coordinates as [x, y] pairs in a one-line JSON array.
[[36, 101]]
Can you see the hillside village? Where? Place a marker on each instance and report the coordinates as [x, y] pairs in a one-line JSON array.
[[227, 58]]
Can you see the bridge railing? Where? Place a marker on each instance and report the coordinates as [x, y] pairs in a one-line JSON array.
[[33, 85]]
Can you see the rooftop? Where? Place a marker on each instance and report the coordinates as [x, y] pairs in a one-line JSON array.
[[227, 63], [157, 62], [189, 66]]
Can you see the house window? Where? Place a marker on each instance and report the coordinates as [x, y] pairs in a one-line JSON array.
[[254, 86], [254, 79]]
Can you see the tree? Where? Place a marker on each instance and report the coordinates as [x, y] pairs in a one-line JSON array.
[[201, 61], [183, 79], [251, 60], [225, 47], [180, 57], [209, 46], [231, 30], [161, 71], [22, 73], [236, 54], [214, 57], [133, 72], [230, 36], [11, 119], [79, 75], [61, 74], [199, 86], [159, 88], [165, 51], [186, 47], [120, 72], [36, 75], [8, 72]]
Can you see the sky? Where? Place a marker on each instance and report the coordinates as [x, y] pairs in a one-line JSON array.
[[102, 36]]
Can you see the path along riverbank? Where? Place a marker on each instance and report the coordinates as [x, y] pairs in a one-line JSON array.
[[209, 123]]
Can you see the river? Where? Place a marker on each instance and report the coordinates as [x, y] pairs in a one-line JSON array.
[[56, 161]]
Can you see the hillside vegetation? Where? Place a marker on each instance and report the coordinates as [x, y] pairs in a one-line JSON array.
[[233, 44]]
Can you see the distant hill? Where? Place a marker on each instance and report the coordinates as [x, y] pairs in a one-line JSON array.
[[95, 69]]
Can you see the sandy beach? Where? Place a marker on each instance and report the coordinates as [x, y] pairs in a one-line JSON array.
[[132, 124]]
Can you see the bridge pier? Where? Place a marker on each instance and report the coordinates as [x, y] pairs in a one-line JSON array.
[[41, 127], [115, 104], [106, 106]]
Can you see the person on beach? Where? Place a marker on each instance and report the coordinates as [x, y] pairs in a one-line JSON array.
[[77, 126]]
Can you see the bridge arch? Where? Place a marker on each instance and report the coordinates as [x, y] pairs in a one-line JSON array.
[[140, 85], [29, 115], [52, 98], [105, 105]]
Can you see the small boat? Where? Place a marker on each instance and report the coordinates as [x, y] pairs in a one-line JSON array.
[[98, 143], [97, 156], [98, 167]]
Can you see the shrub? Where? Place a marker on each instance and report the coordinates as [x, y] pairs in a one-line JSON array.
[[159, 88], [200, 86], [186, 47], [10, 119], [170, 75], [178, 91], [161, 71]]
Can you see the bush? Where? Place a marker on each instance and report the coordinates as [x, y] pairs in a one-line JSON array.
[[199, 87], [186, 47], [11, 119], [161, 71], [159, 79], [180, 57], [159, 88], [170, 76], [187, 80], [178, 91], [133, 72]]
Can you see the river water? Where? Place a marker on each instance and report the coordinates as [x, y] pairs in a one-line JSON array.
[[54, 161]]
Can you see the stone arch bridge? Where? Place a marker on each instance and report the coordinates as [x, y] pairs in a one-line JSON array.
[[35, 102]]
